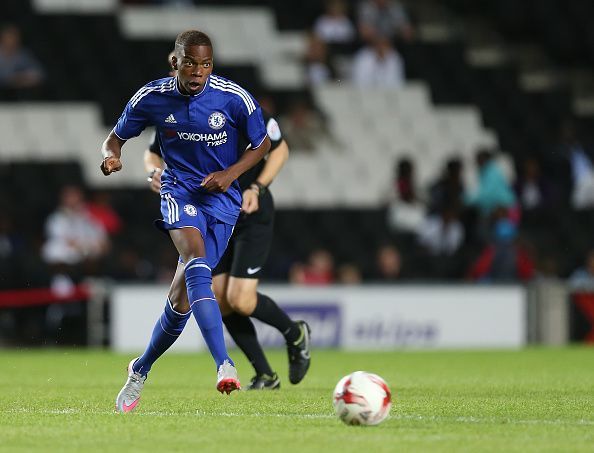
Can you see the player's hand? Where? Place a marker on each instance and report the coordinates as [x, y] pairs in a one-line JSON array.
[[110, 165], [219, 181], [250, 201], [155, 180]]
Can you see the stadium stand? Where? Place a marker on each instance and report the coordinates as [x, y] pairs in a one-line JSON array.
[[462, 92]]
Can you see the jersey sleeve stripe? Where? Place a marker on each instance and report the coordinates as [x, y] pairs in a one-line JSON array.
[[168, 86], [230, 89], [245, 99], [161, 88], [230, 84], [138, 93], [145, 89]]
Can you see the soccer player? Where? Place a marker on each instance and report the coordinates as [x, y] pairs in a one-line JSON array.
[[199, 118], [236, 276]]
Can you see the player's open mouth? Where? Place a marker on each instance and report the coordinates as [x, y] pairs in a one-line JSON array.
[[194, 85]]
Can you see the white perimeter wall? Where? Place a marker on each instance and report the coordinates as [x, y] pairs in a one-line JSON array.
[[362, 317]]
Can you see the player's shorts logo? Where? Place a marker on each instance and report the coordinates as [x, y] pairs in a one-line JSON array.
[[190, 210], [216, 120]]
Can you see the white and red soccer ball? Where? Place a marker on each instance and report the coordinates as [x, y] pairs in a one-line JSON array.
[[362, 398]]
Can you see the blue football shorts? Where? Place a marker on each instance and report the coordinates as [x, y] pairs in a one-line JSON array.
[[182, 213]]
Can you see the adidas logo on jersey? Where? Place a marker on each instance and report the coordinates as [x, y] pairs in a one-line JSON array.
[[170, 119]]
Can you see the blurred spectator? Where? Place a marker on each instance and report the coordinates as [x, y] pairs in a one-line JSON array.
[[405, 212], [130, 266], [443, 233], [448, 190], [378, 65], [383, 18], [493, 190], [335, 26], [547, 267], [11, 243], [318, 67], [582, 279], [319, 269], [73, 237], [12, 248], [581, 168], [504, 259], [388, 263], [166, 264], [349, 274], [304, 128], [102, 213], [532, 189], [19, 69]]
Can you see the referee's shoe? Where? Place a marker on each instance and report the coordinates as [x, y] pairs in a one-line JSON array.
[[299, 354]]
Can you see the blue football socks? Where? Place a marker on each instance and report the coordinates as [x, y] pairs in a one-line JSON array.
[[168, 328], [205, 308]]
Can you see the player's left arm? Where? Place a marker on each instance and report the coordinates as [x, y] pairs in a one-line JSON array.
[[251, 124], [275, 162], [219, 181]]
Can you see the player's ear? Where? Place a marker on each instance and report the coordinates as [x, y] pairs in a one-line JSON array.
[[174, 62]]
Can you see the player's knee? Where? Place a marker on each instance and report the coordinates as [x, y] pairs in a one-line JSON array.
[[179, 299], [181, 306], [242, 302], [198, 274], [226, 310]]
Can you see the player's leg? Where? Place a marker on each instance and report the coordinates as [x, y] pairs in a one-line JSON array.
[[201, 240], [243, 332], [250, 253], [169, 326], [243, 297], [198, 278], [201, 248], [167, 329]]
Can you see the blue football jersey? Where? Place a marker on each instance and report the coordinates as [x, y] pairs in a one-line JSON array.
[[199, 134]]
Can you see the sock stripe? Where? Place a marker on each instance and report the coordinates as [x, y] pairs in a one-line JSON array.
[[165, 330], [203, 298], [199, 264]]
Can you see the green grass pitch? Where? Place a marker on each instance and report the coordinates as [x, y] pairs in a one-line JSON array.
[[532, 400]]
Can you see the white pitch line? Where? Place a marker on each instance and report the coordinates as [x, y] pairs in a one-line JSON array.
[[198, 413]]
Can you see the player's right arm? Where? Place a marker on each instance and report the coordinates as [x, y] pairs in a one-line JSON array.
[[132, 122], [112, 152]]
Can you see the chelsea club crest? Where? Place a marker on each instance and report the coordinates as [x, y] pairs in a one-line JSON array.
[[216, 120], [190, 210]]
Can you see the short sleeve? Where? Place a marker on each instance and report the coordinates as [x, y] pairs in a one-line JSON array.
[[250, 120], [134, 118]]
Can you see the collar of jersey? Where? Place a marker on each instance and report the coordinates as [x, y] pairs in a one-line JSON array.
[[191, 95]]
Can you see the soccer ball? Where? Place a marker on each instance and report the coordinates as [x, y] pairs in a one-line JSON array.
[[362, 398]]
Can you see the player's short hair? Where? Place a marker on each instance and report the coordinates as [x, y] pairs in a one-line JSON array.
[[192, 38]]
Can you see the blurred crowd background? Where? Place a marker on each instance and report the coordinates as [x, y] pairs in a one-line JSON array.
[[430, 140]]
